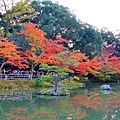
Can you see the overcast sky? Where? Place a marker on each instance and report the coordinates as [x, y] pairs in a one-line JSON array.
[[99, 13]]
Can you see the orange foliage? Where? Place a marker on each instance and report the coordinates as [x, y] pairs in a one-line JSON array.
[[51, 50], [111, 63], [50, 53], [83, 64], [37, 41], [60, 40], [94, 65], [94, 102], [34, 35], [10, 54]]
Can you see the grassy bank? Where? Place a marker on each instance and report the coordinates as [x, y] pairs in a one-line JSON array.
[[25, 84], [12, 84]]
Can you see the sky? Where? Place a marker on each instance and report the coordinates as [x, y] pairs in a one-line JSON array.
[[99, 13]]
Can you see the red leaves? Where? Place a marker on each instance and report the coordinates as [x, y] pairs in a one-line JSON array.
[[37, 41], [52, 53], [10, 54], [94, 65], [34, 35], [60, 40]]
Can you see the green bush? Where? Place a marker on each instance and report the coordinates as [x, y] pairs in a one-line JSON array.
[[42, 82], [76, 78], [39, 82], [71, 83]]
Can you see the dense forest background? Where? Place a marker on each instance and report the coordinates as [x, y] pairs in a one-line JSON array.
[[55, 20]]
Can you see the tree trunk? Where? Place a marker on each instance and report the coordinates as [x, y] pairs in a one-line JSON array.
[[31, 73], [1, 70], [7, 29], [56, 83], [0, 74], [8, 20]]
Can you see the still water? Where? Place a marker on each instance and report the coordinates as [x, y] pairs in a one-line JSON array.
[[83, 104]]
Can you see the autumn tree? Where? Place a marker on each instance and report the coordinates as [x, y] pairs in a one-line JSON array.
[[9, 54], [36, 41], [73, 60], [110, 66], [38, 44], [14, 14], [43, 50]]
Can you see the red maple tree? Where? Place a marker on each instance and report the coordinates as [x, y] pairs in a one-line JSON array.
[[38, 42], [10, 55]]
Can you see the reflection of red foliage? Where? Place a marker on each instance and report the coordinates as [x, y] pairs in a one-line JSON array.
[[97, 102], [93, 101], [79, 100]]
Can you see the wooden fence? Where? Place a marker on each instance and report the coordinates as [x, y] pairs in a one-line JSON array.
[[17, 77]]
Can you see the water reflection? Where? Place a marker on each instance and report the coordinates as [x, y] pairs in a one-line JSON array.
[[83, 104], [106, 91]]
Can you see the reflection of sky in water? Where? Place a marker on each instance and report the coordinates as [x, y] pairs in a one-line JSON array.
[[105, 91]]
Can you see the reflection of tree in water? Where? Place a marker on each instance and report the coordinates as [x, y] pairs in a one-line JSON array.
[[73, 112], [16, 113], [25, 113], [61, 109], [87, 105], [109, 104], [56, 109]]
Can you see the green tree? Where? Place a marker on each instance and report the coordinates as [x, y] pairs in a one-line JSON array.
[[55, 19], [108, 37], [117, 47], [14, 14], [91, 43], [58, 73]]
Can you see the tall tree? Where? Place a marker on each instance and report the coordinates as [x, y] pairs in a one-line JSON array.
[[55, 19], [90, 43], [108, 37], [117, 47], [36, 41], [38, 44], [14, 14]]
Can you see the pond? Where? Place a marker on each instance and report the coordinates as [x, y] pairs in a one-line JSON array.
[[83, 104]]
